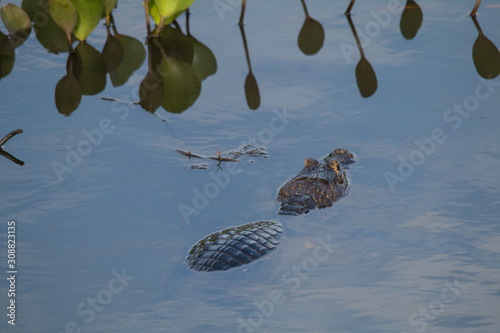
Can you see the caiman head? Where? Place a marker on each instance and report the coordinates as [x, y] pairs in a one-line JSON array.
[[342, 156]]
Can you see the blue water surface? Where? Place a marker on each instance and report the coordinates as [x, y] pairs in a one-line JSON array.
[[414, 247]]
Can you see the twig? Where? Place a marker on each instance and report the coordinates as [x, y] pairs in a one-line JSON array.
[[9, 136]]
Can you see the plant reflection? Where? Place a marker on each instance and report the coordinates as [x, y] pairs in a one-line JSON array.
[[48, 33], [58, 23], [349, 8], [18, 24], [251, 87], [312, 34], [476, 6], [177, 61], [365, 75], [242, 15], [485, 54], [177, 64], [7, 55], [6, 154], [411, 20], [128, 58]]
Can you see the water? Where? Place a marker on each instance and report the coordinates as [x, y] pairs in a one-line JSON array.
[[416, 253]]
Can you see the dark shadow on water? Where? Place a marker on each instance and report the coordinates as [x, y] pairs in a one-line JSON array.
[[251, 87], [411, 20], [349, 7], [365, 75], [485, 55], [311, 35]]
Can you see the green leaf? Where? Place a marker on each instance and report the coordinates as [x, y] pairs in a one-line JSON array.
[[68, 94], [89, 68], [48, 33], [89, 15], [109, 5], [155, 13], [64, 14], [133, 57], [15, 19], [7, 56], [168, 8], [52, 37], [181, 85]]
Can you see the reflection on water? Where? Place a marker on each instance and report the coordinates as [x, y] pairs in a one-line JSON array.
[[18, 25], [7, 55], [365, 75], [252, 93], [476, 6], [242, 15], [177, 61], [411, 20], [6, 154], [485, 55], [349, 8], [311, 35]]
